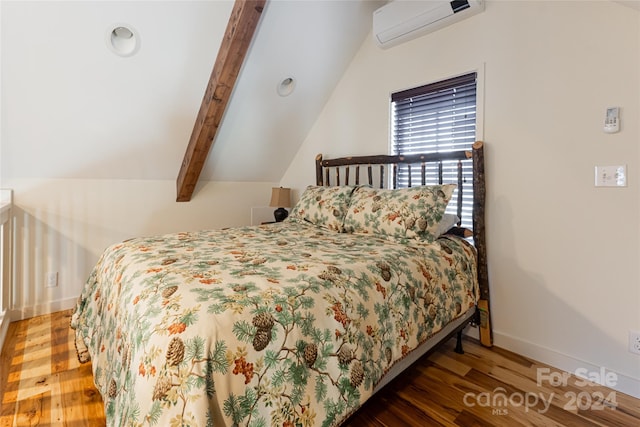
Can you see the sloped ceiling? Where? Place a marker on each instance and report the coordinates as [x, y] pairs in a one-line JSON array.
[[312, 42], [73, 109]]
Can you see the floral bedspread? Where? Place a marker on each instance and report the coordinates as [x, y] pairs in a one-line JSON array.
[[284, 324]]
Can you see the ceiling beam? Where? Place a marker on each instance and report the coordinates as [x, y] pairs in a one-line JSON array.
[[233, 49]]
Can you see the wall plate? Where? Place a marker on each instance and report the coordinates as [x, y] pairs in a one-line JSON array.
[[611, 176]]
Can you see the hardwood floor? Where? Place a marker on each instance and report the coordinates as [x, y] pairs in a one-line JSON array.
[[41, 381], [42, 384]]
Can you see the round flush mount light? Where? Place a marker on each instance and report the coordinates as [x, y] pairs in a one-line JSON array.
[[286, 86], [123, 39]]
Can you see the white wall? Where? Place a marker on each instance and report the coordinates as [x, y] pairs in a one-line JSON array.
[[63, 225], [563, 255]]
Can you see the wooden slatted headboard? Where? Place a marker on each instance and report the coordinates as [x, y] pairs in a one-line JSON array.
[[328, 172], [386, 165]]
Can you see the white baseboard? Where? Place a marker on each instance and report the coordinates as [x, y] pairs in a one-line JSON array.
[[4, 327], [624, 383], [40, 309]]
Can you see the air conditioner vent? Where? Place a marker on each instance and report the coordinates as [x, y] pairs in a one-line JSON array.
[[403, 20]]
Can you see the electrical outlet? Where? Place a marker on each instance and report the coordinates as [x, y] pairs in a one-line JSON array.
[[52, 279], [634, 342]]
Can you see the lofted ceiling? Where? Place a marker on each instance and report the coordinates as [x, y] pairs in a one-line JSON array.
[[90, 114], [72, 109], [309, 41]]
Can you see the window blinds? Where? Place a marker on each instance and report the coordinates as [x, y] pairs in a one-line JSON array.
[[437, 117]]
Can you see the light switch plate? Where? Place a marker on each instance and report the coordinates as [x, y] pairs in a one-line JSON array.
[[611, 176]]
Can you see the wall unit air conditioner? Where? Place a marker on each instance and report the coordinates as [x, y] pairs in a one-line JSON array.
[[403, 20]]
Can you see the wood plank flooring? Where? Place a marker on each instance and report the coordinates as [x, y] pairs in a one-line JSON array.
[[41, 381], [42, 384]]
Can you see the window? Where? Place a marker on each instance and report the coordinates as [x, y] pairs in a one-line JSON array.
[[437, 117]]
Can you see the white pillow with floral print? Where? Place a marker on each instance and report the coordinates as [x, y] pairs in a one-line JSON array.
[[323, 206], [402, 214]]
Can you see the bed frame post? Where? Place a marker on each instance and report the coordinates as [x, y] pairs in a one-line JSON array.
[[319, 180], [479, 196]]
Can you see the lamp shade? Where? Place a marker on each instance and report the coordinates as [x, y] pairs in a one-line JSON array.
[[280, 197]]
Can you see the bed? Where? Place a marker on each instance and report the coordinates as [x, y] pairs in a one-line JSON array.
[[294, 323]]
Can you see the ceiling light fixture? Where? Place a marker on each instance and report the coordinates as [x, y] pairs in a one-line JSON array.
[[123, 39], [286, 86]]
